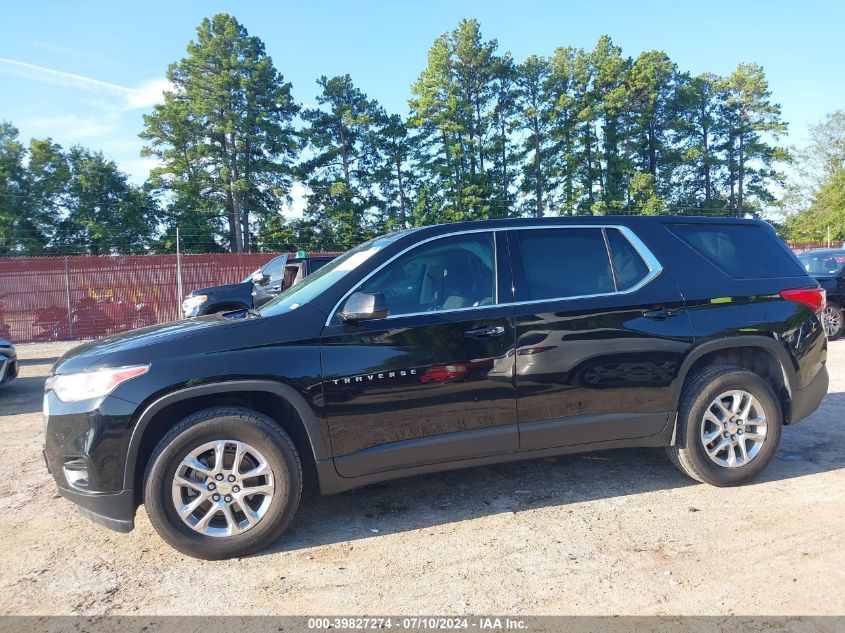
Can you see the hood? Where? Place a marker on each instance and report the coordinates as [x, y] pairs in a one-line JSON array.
[[138, 343], [211, 290], [196, 337]]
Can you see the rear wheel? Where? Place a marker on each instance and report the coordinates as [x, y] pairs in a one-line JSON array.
[[832, 321], [729, 426], [223, 482]]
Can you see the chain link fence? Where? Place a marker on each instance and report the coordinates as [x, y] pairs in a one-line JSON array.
[[77, 297], [81, 297]]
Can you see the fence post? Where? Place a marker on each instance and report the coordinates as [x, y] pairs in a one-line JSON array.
[[178, 277], [67, 296]]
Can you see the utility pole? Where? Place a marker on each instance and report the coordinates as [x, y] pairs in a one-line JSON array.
[[178, 276], [69, 307]]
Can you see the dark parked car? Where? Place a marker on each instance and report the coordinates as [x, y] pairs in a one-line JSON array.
[[257, 289], [827, 265], [8, 361], [445, 347]]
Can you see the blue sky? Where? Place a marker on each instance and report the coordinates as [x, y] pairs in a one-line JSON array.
[[86, 72]]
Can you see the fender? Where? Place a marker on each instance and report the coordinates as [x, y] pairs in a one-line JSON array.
[[734, 342], [286, 392]]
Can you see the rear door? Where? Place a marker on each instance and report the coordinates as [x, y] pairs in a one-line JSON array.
[[601, 333], [420, 385]]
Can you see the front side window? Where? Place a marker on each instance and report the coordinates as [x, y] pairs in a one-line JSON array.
[[445, 274], [565, 262], [332, 273], [274, 268]]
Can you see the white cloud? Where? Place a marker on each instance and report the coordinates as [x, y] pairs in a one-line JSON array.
[[75, 128], [147, 94]]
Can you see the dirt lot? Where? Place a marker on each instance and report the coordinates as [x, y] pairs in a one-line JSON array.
[[614, 532]]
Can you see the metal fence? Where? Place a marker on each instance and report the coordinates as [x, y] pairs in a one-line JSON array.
[[82, 297], [801, 247]]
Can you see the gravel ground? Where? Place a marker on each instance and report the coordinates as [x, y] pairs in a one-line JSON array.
[[614, 532]]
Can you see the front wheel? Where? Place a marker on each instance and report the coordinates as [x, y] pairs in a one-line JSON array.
[[832, 321], [224, 482], [729, 426]]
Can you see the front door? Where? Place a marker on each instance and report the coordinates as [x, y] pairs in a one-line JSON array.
[[601, 333], [421, 386]]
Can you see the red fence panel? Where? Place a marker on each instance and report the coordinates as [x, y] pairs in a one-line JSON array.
[[801, 247], [89, 296]]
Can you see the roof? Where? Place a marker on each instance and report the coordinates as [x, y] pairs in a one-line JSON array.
[[597, 220]]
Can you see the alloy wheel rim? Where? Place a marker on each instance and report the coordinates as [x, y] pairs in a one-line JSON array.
[[733, 429], [831, 320], [223, 488]]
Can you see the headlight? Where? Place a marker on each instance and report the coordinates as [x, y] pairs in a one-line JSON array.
[[92, 384], [192, 303]]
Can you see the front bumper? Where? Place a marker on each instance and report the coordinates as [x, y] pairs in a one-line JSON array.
[[115, 510], [808, 399], [85, 451]]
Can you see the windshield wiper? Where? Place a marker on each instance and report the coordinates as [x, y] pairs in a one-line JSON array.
[[253, 312]]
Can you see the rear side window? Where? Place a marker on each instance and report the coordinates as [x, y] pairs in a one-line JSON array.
[[741, 251], [566, 262], [629, 267]]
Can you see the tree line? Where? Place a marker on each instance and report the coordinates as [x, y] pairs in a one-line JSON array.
[[576, 132]]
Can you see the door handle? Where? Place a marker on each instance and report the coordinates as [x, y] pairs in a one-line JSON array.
[[659, 314], [485, 332]]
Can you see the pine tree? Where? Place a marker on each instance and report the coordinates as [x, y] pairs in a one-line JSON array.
[[225, 130]]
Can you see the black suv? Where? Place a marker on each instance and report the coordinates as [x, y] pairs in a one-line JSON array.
[[257, 289], [827, 265], [445, 347]]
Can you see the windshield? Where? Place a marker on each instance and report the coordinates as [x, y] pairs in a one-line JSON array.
[[823, 263], [314, 285]]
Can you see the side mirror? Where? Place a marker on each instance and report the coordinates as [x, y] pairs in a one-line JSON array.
[[361, 306], [260, 278]]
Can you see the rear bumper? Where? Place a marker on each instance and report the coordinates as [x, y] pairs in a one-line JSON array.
[[115, 511], [808, 399]]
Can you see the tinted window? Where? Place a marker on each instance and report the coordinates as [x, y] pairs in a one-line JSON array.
[[823, 263], [316, 264], [330, 274], [566, 262], [445, 274], [275, 267], [629, 267], [742, 251]]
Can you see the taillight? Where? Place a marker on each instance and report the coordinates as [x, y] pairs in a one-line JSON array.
[[813, 298]]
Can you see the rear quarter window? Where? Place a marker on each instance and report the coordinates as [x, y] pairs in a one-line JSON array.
[[740, 250]]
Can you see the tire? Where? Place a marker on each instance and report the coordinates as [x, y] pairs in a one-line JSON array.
[[832, 320], [689, 453], [229, 533]]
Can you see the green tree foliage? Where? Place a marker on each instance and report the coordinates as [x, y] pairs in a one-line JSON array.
[[452, 113], [103, 210], [581, 131], [750, 119], [535, 113], [818, 188], [33, 181], [53, 202], [341, 133], [224, 133]]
